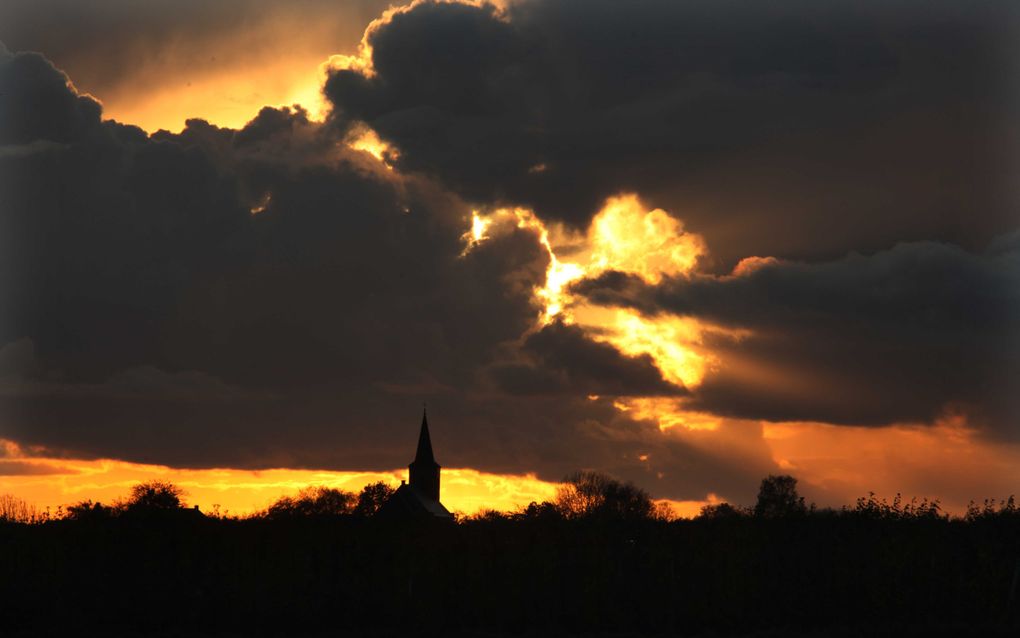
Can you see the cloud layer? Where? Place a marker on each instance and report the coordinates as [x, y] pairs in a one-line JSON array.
[[794, 129], [179, 327], [901, 335], [268, 296]]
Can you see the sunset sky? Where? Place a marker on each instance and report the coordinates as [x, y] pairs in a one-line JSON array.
[[685, 243]]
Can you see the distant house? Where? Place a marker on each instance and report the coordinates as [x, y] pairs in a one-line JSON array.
[[418, 498]]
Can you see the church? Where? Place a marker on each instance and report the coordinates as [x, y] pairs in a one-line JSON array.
[[418, 497]]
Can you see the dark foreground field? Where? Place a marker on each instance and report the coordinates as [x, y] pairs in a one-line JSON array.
[[831, 573]]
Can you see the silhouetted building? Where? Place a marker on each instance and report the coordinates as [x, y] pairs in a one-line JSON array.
[[419, 496]]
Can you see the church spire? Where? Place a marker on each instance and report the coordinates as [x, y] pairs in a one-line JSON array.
[[423, 472], [424, 454]]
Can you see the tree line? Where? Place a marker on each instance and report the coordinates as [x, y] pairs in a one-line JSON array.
[[600, 558], [583, 494]]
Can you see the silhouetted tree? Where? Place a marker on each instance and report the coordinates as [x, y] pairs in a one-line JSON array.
[[838, 573], [539, 511], [591, 494], [318, 501], [372, 497], [88, 511], [16, 510], [154, 495], [777, 498], [720, 511], [663, 511]]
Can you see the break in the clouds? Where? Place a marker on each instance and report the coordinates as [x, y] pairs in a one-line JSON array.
[[269, 296], [156, 63]]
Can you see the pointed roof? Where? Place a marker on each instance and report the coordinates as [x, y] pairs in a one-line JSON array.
[[424, 454]]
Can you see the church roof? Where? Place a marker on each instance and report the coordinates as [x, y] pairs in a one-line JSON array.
[[408, 502]]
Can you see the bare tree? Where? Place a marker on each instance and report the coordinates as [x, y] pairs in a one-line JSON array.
[[16, 510]]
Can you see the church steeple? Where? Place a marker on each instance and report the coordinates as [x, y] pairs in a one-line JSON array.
[[424, 454], [419, 497], [423, 470]]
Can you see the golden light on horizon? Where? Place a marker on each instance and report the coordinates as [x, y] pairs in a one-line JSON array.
[[52, 482]]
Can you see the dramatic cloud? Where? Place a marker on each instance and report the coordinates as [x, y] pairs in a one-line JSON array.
[[901, 335], [797, 129], [268, 297], [540, 216]]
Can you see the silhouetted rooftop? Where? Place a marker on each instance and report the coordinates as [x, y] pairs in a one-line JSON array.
[[408, 502]]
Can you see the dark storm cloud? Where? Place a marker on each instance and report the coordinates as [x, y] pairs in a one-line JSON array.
[[53, 113], [149, 315], [896, 336], [798, 129]]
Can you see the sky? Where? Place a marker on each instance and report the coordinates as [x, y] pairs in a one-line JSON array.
[[686, 243]]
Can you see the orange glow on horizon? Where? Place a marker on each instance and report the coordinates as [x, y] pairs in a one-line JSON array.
[[949, 461], [835, 465], [51, 482]]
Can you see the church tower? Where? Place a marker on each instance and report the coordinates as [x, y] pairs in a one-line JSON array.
[[418, 498], [423, 470]]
